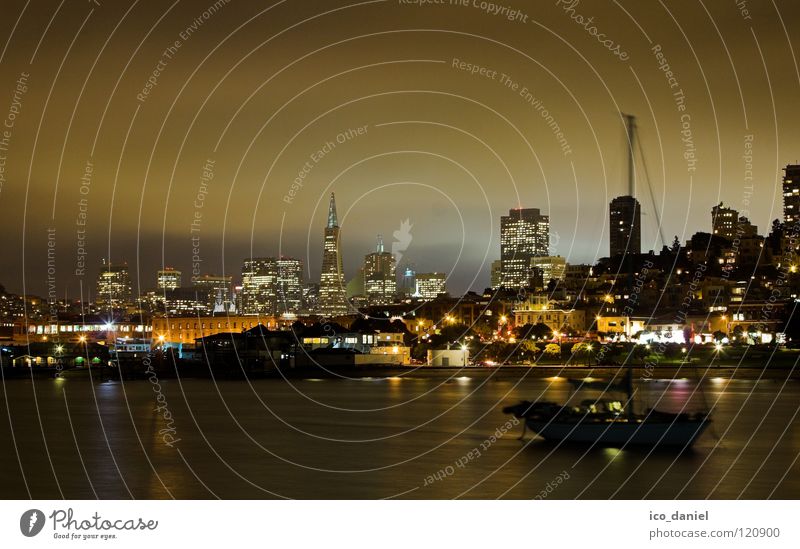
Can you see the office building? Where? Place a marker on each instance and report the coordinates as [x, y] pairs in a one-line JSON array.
[[290, 285], [168, 279], [218, 291], [113, 286], [259, 286], [332, 294], [552, 267], [524, 234], [430, 285], [380, 276]]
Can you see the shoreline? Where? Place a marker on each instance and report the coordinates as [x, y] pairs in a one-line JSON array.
[[497, 373]]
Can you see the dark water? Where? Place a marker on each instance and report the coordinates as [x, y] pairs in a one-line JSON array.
[[372, 439]]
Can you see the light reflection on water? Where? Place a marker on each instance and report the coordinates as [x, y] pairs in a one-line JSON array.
[[323, 438]]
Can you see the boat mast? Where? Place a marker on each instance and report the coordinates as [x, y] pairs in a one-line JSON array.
[[629, 390]]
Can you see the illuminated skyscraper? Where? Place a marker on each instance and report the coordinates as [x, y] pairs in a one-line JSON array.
[[113, 286], [217, 290], [290, 285], [380, 276], [551, 267], [168, 279], [408, 282], [791, 194], [332, 293], [430, 285], [524, 234], [625, 230], [259, 286]]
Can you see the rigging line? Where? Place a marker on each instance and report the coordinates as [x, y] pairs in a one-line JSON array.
[[650, 188]]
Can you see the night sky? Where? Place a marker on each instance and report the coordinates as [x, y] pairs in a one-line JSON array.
[[184, 116]]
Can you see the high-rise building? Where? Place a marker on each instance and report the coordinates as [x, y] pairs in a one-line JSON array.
[[408, 282], [430, 285], [185, 301], [168, 279], [113, 286], [496, 274], [290, 285], [524, 234], [272, 286], [724, 221], [218, 290], [259, 286], [625, 231], [552, 267], [332, 293], [380, 276], [791, 194], [727, 223]]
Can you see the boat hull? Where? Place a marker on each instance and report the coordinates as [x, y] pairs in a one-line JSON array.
[[619, 433]]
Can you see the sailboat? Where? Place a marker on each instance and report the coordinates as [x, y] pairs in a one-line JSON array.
[[609, 422]]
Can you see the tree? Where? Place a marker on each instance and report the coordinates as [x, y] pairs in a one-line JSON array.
[[541, 331], [420, 352], [450, 334], [484, 329], [552, 350], [639, 352], [672, 350], [498, 351], [526, 349], [582, 351]]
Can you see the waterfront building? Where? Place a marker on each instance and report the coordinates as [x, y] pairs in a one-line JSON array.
[[537, 309]]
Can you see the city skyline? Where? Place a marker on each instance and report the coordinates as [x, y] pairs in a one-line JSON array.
[[275, 285], [258, 182]]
